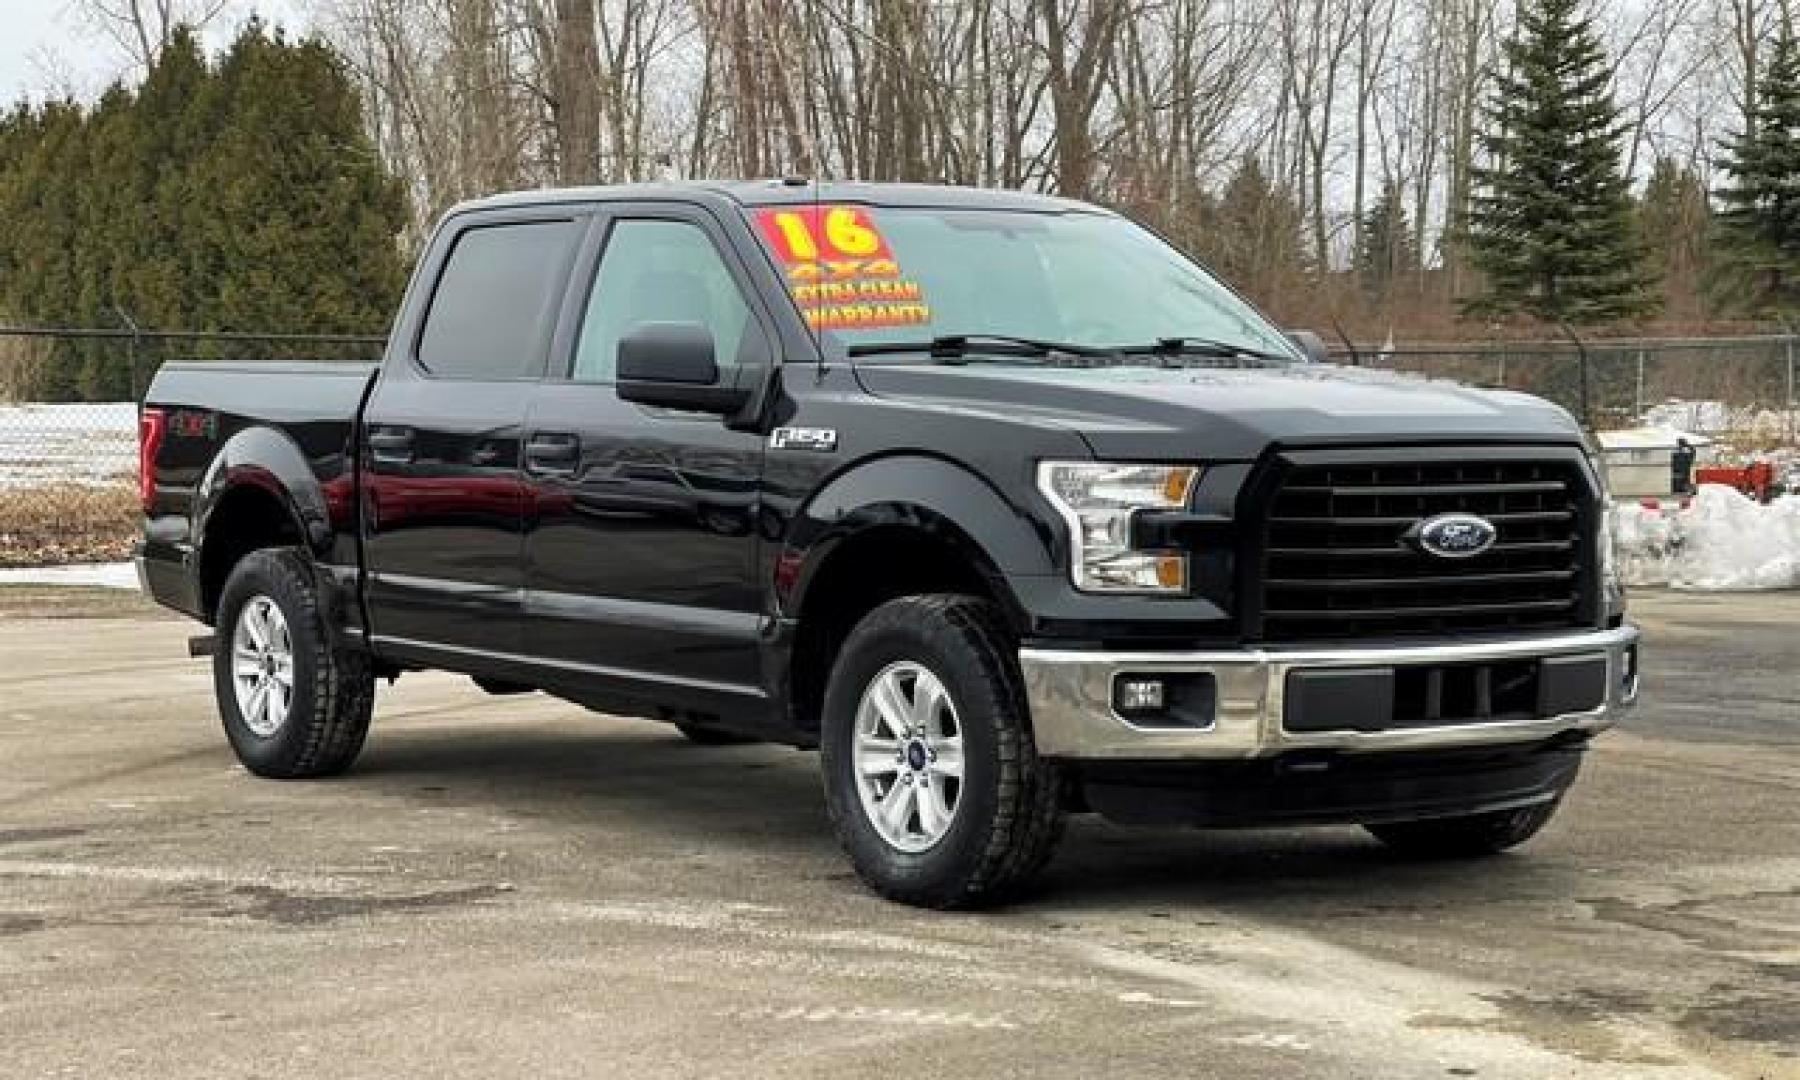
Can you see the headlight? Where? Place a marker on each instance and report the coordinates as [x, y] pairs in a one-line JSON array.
[[1609, 558], [1097, 500], [1611, 578]]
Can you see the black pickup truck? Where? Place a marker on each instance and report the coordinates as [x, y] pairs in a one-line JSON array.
[[997, 500]]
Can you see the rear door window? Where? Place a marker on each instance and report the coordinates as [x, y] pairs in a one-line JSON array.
[[491, 313]]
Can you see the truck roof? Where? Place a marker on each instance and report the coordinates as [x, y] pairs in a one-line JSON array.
[[787, 192]]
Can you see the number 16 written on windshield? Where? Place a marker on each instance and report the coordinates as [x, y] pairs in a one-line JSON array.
[[809, 234]]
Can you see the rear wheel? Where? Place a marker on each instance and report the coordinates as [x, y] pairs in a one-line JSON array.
[[933, 783], [293, 706], [1466, 837]]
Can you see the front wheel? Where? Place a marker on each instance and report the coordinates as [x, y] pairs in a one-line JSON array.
[[1468, 837], [932, 781], [293, 705]]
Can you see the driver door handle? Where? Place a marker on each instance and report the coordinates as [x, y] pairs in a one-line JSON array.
[[391, 445], [552, 453]]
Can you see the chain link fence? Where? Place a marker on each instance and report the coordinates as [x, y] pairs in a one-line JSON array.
[[68, 413], [1738, 390], [68, 427]]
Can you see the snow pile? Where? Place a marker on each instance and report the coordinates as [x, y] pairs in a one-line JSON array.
[[1720, 541], [1644, 539], [87, 444], [1719, 418]]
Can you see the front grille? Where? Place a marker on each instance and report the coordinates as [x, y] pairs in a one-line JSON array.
[[1336, 564]]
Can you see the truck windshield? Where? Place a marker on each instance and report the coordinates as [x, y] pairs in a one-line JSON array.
[[876, 279]]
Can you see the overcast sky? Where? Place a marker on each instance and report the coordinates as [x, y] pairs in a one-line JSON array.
[[47, 46]]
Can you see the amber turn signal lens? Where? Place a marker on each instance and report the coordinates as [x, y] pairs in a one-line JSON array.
[[1177, 483]]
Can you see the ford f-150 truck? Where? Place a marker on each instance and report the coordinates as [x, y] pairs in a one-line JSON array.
[[998, 501]]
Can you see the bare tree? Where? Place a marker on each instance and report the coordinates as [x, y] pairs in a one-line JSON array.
[[1374, 31], [144, 28], [575, 89], [1079, 40], [1314, 39], [1145, 104], [1660, 51]]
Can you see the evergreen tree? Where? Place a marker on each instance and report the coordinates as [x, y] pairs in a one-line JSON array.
[[1550, 225], [309, 234], [1675, 222], [241, 194], [1386, 251], [1257, 240], [1759, 221], [42, 218]]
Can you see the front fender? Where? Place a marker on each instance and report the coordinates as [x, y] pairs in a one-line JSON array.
[[936, 496]]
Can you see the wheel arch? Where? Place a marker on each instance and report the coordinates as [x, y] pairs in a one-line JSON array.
[[900, 526], [934, 494], [259, 492]]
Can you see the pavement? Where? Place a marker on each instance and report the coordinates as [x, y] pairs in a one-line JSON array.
[[516, 887]]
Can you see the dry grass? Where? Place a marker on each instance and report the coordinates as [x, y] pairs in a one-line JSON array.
[[67, 523]]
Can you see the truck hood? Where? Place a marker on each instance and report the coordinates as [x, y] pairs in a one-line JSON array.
[[1229, 414]]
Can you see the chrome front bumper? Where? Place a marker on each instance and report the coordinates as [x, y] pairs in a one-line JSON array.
[[1071, 696]]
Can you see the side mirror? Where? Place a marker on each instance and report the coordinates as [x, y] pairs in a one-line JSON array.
[[670, 365], [1312, 346]]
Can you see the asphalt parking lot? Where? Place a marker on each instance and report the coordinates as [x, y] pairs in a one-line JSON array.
[[515, 887]]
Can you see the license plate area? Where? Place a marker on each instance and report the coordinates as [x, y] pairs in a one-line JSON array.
[[1440, 695]]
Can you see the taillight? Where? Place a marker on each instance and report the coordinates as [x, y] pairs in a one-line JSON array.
[[151, 426]]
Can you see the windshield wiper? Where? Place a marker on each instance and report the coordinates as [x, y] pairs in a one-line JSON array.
[[957, 348], [1175, 348]]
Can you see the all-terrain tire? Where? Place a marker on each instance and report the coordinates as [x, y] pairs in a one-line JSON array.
[[333, 690], [1008, 814], [1469, 837]]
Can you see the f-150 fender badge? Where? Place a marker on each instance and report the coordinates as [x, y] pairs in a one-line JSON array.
[[803, 438]]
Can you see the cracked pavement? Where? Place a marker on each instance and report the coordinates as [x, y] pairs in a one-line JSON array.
[[513, 886]]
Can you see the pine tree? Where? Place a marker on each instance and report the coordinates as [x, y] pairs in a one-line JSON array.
[[42, 225], [303, 219], [1550, 226], [1386, 252], [1257, 240], [1759, 221], [241, 194], [1675, 222]]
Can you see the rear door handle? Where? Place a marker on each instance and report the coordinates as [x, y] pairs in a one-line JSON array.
[[392, 445], [554, 453]]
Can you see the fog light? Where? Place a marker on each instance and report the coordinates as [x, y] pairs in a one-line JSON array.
[[1138, 694], [1628, 674]]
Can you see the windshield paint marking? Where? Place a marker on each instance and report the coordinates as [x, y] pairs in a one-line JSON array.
[[840, 269]]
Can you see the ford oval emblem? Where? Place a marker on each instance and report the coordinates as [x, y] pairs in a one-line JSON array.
[[1454, 536]]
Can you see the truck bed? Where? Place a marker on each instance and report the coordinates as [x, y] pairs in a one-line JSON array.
[[222, 422], [249, 389]]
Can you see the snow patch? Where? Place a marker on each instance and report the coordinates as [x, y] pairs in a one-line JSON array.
[[106, 575], [1720, 418], [1720, 541], [89, 444]]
